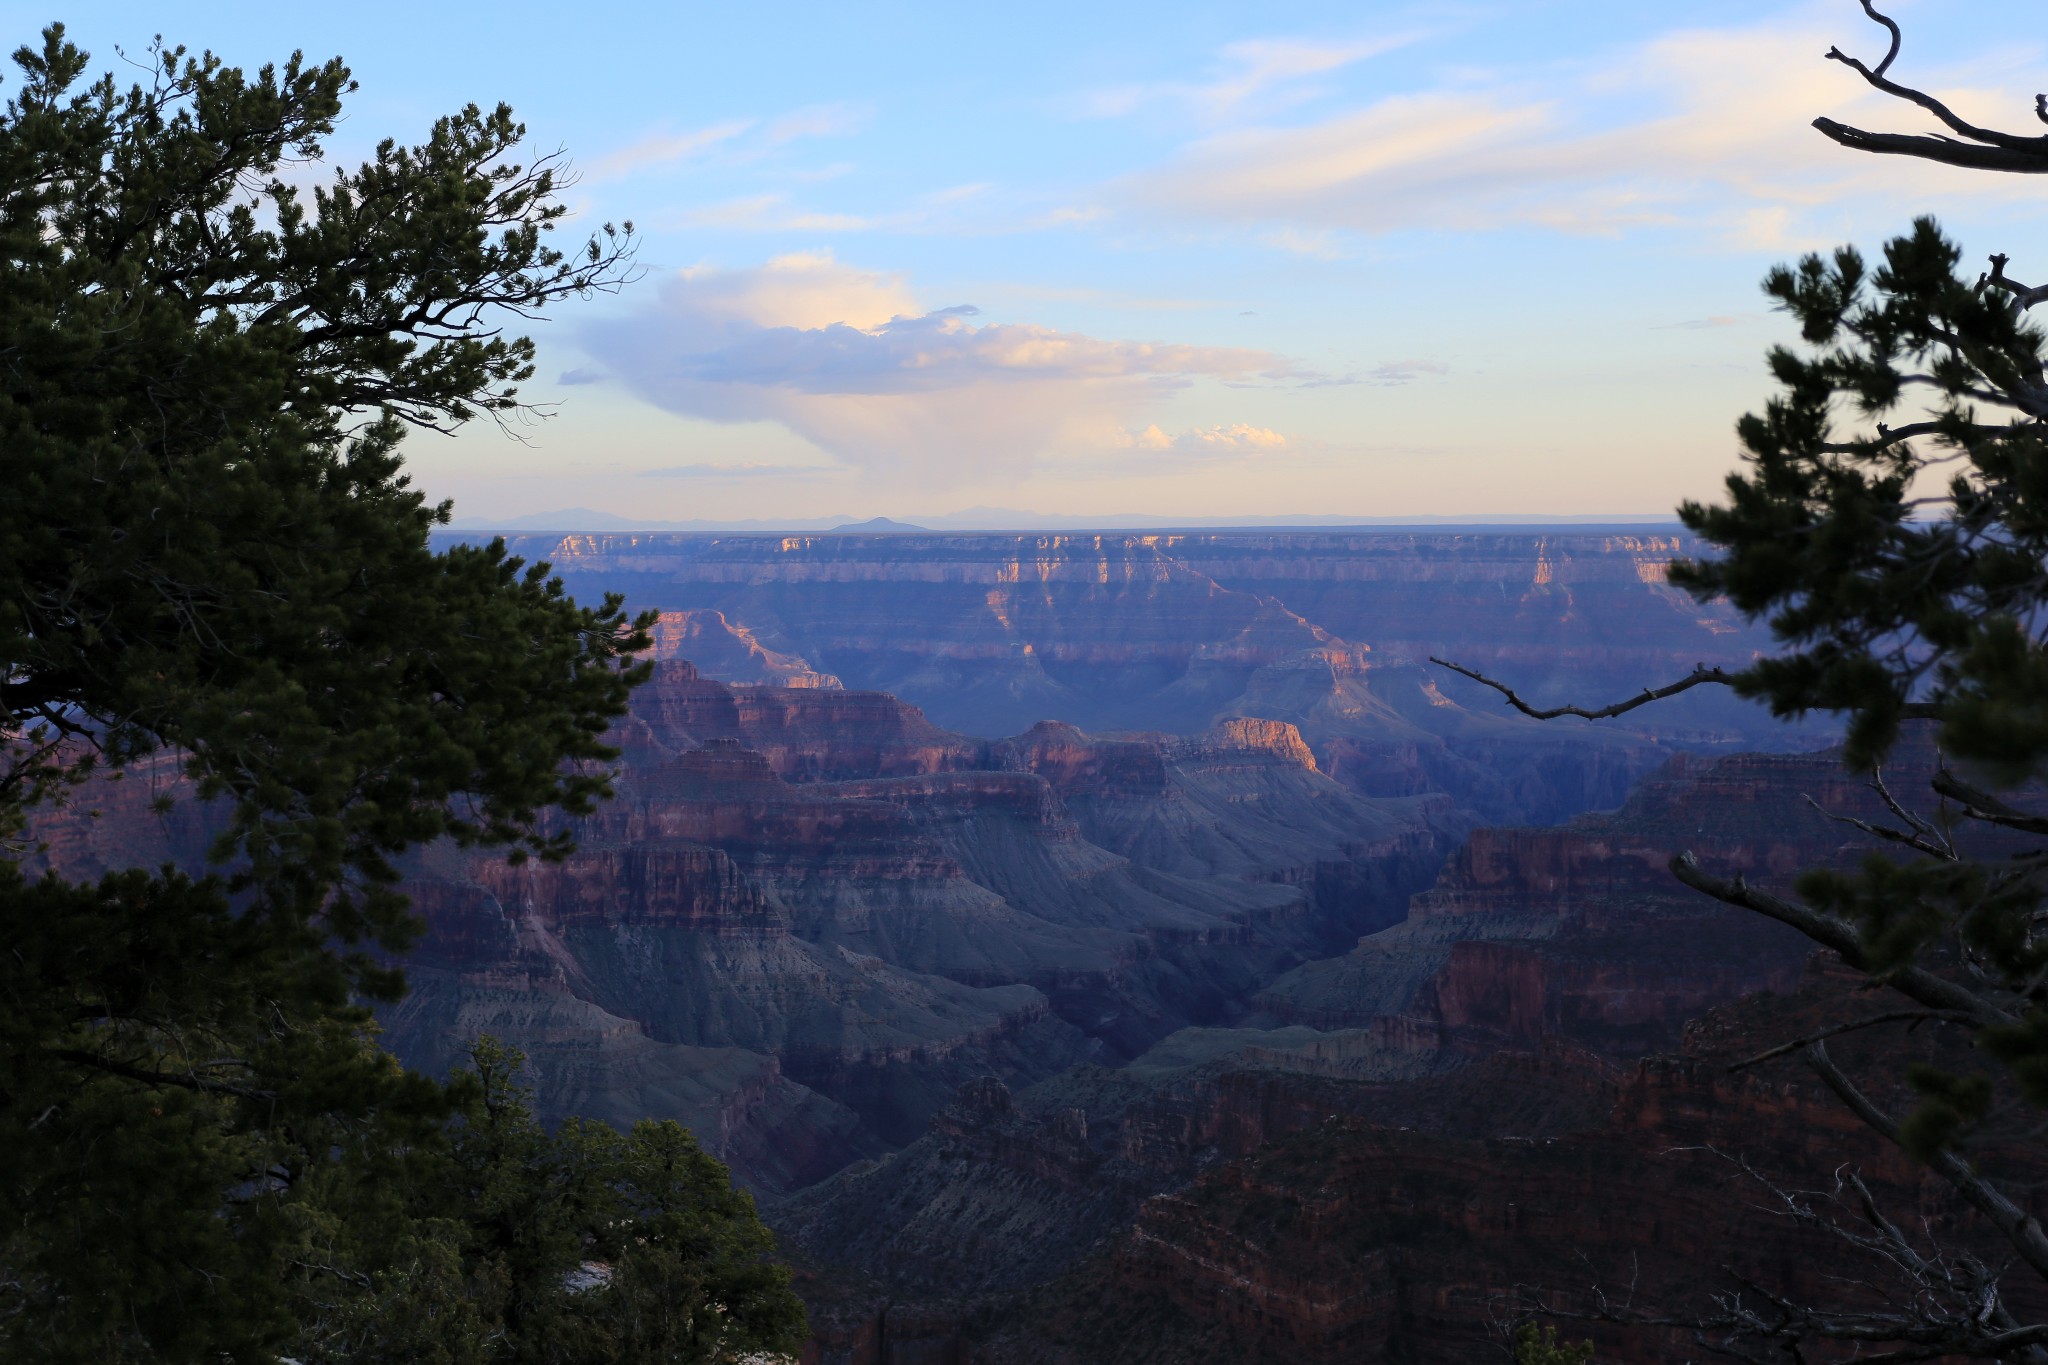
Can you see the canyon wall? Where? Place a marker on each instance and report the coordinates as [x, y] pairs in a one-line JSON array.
[[992, 633], [810, 915]]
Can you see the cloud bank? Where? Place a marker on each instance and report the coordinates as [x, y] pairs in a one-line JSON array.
[[849, 360]]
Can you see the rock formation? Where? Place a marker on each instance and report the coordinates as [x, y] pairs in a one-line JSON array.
[[810, 914], [1331, 631], [1100, 989]]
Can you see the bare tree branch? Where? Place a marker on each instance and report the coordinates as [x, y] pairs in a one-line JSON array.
[[1889, 1017], [1982, 805], [1699, 675], [1912, 839], [184, 1081], [1986, 149], [2021, 1229], [1840, 936]]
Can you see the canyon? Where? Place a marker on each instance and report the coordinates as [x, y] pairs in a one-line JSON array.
[[1132, 947], [1332, 631], [809, 915], [1395, 1150]]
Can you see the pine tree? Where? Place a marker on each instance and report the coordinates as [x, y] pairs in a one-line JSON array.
[[1902, 566], [210, 556]]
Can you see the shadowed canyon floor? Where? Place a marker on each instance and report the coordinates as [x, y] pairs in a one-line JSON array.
[[1470, 1130]]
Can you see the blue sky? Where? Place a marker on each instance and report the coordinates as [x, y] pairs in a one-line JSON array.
[[1193, 260]]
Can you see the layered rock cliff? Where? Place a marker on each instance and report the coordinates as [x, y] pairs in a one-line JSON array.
[[1331, 631], [810, 915], [1579, 930]]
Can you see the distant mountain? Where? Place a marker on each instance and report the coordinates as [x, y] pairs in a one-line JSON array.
[[878, 526]]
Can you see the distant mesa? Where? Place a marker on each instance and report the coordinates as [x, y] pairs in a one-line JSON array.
[[875, 526]]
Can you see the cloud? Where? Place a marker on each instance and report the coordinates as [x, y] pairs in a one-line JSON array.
[[1704, 127], [847, 359], [1211, 443], [768, 213], [805, 290], [1705, 324], [571, 378], [818, 120], [1246, 71], [657, 149], [729, 137], [957, 209], [1393, 372], [1317, 246]]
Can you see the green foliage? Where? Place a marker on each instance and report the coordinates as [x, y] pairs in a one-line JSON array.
[[587, 1247], [209, 544], [436, 1225], [1897, 592], [1902, 569], [1538, 1345], [210, 551], [174, 1074]]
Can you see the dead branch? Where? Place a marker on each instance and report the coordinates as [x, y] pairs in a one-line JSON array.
[[184, 1081], [1910, 838], [1982, 805], [1841, 937], [2020, 1228], [1700, 674], [2023, 296], [1973, 147], [1889, 1017], [1932, 1302]]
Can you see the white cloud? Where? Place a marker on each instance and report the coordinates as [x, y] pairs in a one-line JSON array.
[[742, 470], [1212, 443], [958, 209], [1700, 127], [729, 138], [818, 120], [1246, 71], [847, 359], [805, 290], [658, 149], [1393, 372], [1320, 245], [767, 213]]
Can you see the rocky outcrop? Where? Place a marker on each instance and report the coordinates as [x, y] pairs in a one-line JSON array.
[[809, 914], [1360, 1240], [1246, 1214], [805, 734]]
